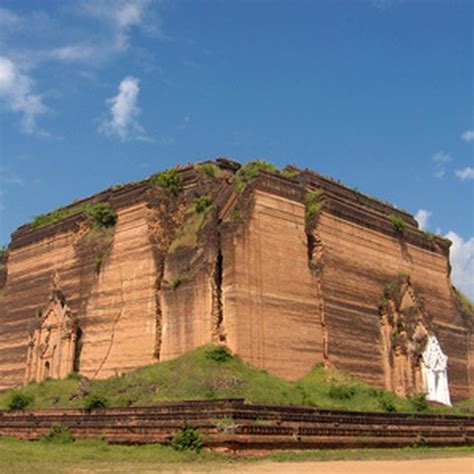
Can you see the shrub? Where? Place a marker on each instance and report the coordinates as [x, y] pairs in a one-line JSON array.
[[73, 376], [94, 400], [103, 214], [209, 170], [202, 203], [169, 180], [250, 171], [387, 404], [177, 280], [341, 392], [289, 172], [219, 354], [312, 205], [19, 401], [398, 224], [236, 215], [58, 434], [187, 439], [419, 402]]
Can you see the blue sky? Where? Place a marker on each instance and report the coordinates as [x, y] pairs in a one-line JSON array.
[[376, 93]]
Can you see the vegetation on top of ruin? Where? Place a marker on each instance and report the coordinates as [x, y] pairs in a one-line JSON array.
[[208, 170], [169, 180], [249, 171], [466, 304], [313, 205], [211, 372], [398, 224], [187, 235], [102, 213], [201, 203]]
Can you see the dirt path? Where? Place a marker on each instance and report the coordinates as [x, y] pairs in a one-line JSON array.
[[463, 465]]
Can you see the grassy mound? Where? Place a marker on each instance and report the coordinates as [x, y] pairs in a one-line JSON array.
[[211, 372]]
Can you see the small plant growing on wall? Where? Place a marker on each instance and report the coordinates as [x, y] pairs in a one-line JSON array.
[[398, 224], [248, 172], [58, 434], [189, 439], [312, 205], [202, 203], [103, 214], [169, 180], [177, 280]]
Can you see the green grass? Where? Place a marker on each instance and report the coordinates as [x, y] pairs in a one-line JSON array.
[[187, 235], [98, 456], [101, 212], [199, 375]]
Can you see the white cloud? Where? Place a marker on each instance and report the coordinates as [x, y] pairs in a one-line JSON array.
[[16, 93], [468, 136], [124, 111], [119, 18], [465, 173], [422, 217], [462, 263], [441, 159]]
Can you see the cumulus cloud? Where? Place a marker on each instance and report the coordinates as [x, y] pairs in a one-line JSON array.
[[422, 217], [441, 159], [16, 94], [462, 263], [468, 136], [123, 113], [465, 173]]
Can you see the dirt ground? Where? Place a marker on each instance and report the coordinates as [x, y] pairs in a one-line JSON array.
[[464, 465]]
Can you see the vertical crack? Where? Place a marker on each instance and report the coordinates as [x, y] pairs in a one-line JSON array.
[[218, 331], [315, 262]]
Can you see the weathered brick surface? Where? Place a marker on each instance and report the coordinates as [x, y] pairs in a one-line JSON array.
[[246, 427], [282, 295]]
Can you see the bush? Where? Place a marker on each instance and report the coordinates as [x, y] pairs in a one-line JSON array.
[[209, 170], [94, 400], [169, 180], [58, 434], [312, 205], [398, 224], [341, 392], [103, 214], [19, 401], [73, 376], [188, 439], [202, 203], [219, 354], [250, 171], [419, 402], [387, 405], [177, 280]]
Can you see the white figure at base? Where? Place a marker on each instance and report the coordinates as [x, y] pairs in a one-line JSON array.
[[435, 373]]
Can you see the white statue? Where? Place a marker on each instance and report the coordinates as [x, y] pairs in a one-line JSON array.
[[435, 374]]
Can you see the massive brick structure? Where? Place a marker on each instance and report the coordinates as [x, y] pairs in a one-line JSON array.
[[287, 268]]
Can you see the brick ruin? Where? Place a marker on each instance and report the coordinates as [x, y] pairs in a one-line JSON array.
[[288, 269]]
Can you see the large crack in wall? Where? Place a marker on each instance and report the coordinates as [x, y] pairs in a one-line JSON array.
[[218, 330]]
